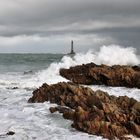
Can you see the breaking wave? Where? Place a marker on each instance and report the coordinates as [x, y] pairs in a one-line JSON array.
[[16, 88], [109, 55], [117, 55]]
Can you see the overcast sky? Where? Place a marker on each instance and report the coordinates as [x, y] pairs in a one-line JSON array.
[[49, 25]]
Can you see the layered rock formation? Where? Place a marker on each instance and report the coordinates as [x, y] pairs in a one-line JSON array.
[[91, 74], [92, 112]]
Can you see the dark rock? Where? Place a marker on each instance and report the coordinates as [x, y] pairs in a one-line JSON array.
[[28, 72], [136, 106], [10, 133], [15, 88], [91, 74], [136, 68], [96, 113]]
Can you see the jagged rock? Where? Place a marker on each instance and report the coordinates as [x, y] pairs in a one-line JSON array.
[[96, 113], [7, 134], [136, 106], [135, 128], [90, 74], [10, 133], [104, 128]]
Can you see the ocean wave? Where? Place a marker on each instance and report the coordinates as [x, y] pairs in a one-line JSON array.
[[22, 118], [109, 55]]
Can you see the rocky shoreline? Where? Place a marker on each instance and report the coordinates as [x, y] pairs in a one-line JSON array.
[[93, 112], [92, 74]]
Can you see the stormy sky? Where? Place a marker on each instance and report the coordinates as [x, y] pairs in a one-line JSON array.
[[48, 26]]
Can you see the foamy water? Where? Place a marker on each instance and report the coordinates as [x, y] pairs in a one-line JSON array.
[[34, 121]]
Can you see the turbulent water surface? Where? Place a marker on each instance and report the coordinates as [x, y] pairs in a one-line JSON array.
[[20, 74]]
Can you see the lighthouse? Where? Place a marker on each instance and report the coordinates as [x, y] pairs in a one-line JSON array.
[[72, 50]]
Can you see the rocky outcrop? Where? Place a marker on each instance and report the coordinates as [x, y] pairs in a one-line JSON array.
[[7, 134], [91, 74], [95, 113]]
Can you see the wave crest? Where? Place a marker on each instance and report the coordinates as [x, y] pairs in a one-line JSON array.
[[109, 55]]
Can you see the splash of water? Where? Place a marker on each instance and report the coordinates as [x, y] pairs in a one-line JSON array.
[[117, 55], [109, 55]]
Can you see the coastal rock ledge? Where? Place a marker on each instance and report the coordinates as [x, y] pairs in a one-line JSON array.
[[92, 74], [93, 112]]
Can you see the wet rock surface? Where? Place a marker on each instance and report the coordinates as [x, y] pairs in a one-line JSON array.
[[90, 74], [7, 134], [93, 112], [10, 133]]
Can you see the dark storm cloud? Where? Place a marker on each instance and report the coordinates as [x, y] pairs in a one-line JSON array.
[[115, 19], [48, 13]]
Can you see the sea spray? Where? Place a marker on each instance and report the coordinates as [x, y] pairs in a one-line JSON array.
[[51, 74], [109, 55], [34, 121], [117, 55]]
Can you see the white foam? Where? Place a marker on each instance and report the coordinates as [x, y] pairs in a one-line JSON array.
[[110, 55], [117, 55], [34, 121]]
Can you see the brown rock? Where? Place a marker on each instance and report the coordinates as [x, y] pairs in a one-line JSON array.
[[94, 101], [135, 128], [96, 112], [92, 74], [136, 106], [53, 109]]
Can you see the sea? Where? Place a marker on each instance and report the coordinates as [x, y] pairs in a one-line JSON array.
[[21, 74]]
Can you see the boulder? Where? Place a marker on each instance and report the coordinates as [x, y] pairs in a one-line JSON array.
[[93, 112], [92, 74]]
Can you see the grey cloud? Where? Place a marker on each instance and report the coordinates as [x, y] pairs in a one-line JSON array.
[[119, 19], [47, 12]]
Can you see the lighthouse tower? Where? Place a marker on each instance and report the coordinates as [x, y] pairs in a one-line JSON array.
[[72, 50]]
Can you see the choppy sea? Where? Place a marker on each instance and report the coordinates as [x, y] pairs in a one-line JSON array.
[[20, 74]]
